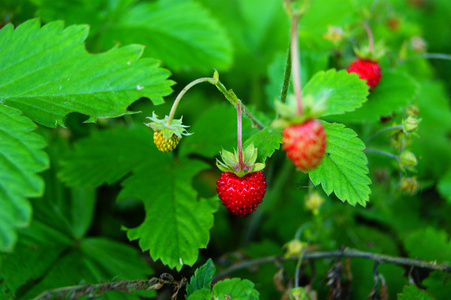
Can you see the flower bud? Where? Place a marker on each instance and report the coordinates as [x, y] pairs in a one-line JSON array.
[[409, 184], [407, 160], [313, 201], [294, 248], [410, 124]]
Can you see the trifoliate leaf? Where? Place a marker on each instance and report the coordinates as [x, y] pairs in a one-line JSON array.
[[165, 27], [343, 169], [339, 92], [202, 278], [47, 73], [267, 141], [177, 224], [393, 93], [116, 152], [21, 158], [236, 289], [411, 292]]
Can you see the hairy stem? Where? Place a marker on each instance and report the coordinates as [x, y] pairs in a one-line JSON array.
[[370, 37], [377, 151], [286, 78], [185, 89], [383, 130], [233, 99], [295, 62], [240, 136]]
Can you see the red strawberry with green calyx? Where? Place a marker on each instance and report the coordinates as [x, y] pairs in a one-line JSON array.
[[303, 136], [367, 65], [305, 144], [167, 135], [241, 187]]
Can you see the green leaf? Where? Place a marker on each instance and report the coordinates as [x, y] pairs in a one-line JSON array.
[[177, 224], [165, 27], [202, 278], [341, 92], [343, 169], [429, 244], [267, 141], [202, 294], [236, 289], [132, 146], [21, 158], [411, 292], [393, 93], [47, 73]]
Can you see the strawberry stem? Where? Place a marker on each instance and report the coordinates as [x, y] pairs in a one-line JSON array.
[[185, 89], [240, 137], [370, 37], [295, 62], [233, 99]]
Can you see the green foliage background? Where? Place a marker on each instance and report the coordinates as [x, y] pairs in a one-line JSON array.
[[85, 196]]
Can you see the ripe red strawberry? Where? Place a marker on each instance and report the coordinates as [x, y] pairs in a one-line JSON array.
[[368, 70], [305, 143], [241, 195]]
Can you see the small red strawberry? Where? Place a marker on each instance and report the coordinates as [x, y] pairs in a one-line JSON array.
[[242, 185], [241, 195], [167, 134], [368, 70], [305, 143]]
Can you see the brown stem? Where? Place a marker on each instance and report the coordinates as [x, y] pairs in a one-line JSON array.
[[346, 252], [370, 37]]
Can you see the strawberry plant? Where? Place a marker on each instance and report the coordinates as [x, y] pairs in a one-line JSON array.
[[322, 127]]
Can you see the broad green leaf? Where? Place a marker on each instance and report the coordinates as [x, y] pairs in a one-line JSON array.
[[21, 158], [393, 93], [341, 92], [177, 223], [116, 152], [343, 169], [267, 141], [255, 30], [412, 292], [215, 129], [53, 260], [47, 73], [167, 27], [236, 289], [202, 278], [429, 244], [437, 284]]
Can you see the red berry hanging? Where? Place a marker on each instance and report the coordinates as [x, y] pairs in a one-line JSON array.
[[305, 143], [241, 195], [367, 70]]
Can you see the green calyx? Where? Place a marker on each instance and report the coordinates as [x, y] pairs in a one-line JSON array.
[[231, 162], [174, 127], [374, 54], [288, 113]]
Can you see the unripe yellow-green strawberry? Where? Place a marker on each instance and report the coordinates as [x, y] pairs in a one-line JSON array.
[[163, 144], [167, 133]]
